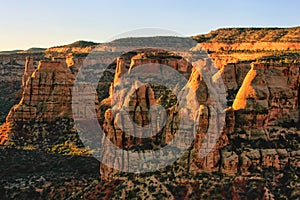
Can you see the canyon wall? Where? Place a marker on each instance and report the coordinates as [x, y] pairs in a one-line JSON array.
[[262, 99]]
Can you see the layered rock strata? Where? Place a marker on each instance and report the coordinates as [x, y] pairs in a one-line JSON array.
[[261, 128]]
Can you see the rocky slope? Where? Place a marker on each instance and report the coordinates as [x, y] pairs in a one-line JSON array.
[[231, 45]]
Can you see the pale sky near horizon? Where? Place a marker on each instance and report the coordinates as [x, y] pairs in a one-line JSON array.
[[46, 23]]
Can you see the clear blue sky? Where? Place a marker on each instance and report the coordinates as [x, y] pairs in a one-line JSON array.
[[45, 23]]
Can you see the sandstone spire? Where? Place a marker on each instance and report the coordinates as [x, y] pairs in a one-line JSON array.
[[29, 69]]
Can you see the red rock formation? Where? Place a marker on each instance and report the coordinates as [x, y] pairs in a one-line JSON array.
[[265, 100], [11, 73], [139, 105], [29, 69], [143, 99], [46, 95], [267, 96], [261, 119]]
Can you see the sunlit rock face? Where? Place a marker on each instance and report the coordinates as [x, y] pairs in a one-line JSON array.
[[46, 94], [44, 111], [29, 69]]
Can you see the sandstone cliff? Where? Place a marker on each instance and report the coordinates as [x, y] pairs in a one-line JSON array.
[[46, 94], [11, 72]]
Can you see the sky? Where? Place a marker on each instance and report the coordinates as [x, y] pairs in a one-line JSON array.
[[46, 23]]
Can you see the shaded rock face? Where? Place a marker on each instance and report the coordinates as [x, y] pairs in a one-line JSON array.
[[11, 67]]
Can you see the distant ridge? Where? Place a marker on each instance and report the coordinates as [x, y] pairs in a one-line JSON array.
[[34, 50], [80, 43], [222, 35], [238, 35], [9, 52], [163, 41], [31, 50]]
